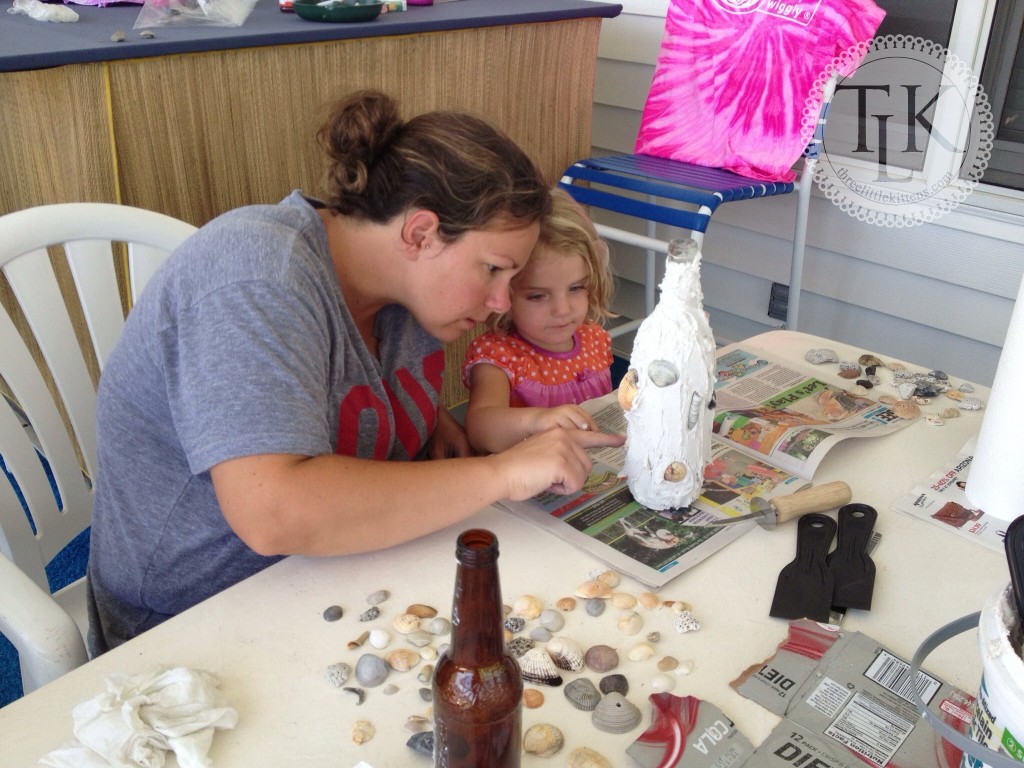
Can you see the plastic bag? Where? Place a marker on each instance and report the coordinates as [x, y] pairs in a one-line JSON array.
[[42, 12], [223, 13]]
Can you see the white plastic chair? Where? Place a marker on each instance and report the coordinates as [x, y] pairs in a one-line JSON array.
[[47, 630]]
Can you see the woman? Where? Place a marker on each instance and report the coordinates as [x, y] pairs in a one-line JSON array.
[[283, 367]]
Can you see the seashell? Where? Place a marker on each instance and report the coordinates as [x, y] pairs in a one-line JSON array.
[[362, 731], [333, 613], [950, 413], [390, 689], [654, 637], [966, 388], [887, 399], [971, 404], [380, 638], [371, 613], [895, 366], [337, 674], [628, 389], [640, 652], [921, 400], [517, 646], [402, 659], [607, 576], [593, 588], [667, 663], [906, 389], [906, 409], [419, 638], [595, 606], [684, 668], [566, 653], [630, 623], [585, 757], [543, 740], [358, 693], [378, 597], [551, 619], [662, 373], [819, 356], [614, 682], [849, 373], [675, 472], [662, 683], [540, 634], [527, 606], [353, 644], [678, 606], [422, 743], [371, 670], [439, 626], [421, 611], [442, 648], [648, 600], [686, 622], [622, 600], [955, 394], [532, 698], [566, 604], [614, 713], [515, 624], [934, 420], [538, 667], [404, 623], [582, 694], [428, 652], [426, 674], [426, 694], [601, 658], [867, 359], [417, 723]]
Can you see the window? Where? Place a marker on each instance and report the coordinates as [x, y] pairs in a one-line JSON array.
[[1003, 80]]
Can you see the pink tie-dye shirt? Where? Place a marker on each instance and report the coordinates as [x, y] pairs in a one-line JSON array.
[[733, 78]]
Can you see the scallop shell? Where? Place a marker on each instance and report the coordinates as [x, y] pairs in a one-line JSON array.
[[528, 606], [662, 373], [371, 670], [543, 740], [906, 409], [640, 652], [439, 626], [551, 619], [614, 713], [648, 600], [537, 667], [628, 389], [622, 600], [601, 658], [614, 682], [532, 698], [362, 731], [406, 623], [566, 653], [379, 638], [582, 694], [607, 576], [378, 597], [630, 623], [585, 757], [593, 588], [566, 604], [421, 611], [402, 659], [675, 472]]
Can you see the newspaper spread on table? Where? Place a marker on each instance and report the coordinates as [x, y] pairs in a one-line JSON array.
[[942, 500], [772, 427]]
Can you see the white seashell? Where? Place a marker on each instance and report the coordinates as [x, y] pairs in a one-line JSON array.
[[585, 757], [662, 373], [362, 731], [540, 634], [390, 689], [527, 606], [684, 668], [406, 623], [628, 389], [606, 576], [539, 668], [593, 588], [662, 683], [640, 652], [648, 600], [622, 600], [678, 606], [379, 638], [417, 723], [686, 622], [614, 713], [631, 623], [934, 419], [551, 619], [402, 659], [543, 740], [378, 597], [419, 638], [950, 413], [428, 653], [439, 626], [567, 654]]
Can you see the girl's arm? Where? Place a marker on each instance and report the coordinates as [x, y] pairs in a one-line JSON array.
[[493, 426]]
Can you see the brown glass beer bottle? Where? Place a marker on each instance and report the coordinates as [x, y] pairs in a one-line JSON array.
[[478, 691]]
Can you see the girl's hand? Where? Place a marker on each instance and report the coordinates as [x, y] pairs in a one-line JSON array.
[[565, 416]]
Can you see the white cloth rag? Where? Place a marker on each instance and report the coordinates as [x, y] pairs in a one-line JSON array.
[[140, 717], [42, 12]]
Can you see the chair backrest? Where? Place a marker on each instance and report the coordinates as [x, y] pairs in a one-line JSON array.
[[55, 308]]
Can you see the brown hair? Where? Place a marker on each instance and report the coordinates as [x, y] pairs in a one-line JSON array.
[[462, 168], [566, 231]]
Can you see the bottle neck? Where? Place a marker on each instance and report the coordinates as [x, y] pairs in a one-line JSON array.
[[476, 608]]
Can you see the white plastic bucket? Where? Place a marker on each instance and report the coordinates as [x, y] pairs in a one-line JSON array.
[[998, 718]]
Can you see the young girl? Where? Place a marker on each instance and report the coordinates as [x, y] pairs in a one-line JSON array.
[[548, 352]]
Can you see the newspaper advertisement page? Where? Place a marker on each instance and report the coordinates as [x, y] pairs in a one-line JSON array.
[[787, 417], [653, 546], [942, 500]]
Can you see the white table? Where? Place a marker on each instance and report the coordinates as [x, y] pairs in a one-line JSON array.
[[266, 638]]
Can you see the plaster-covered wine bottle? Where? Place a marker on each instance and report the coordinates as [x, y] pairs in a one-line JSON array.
[[478, 689], [667, 393]]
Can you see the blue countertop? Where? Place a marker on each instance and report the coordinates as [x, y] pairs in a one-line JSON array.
[[29, 44]]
